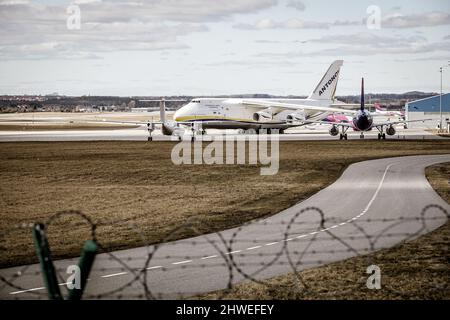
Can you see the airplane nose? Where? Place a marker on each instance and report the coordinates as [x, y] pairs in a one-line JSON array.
[[177, 115]]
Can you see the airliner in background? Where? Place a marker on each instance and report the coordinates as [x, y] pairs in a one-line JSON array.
[[260, 114], [363, 121], [384, 112]]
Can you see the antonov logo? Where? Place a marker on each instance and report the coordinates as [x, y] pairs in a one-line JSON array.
[[329, 82]]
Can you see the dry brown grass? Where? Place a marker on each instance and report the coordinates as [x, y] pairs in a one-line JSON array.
[[136, 182], [418, 269]]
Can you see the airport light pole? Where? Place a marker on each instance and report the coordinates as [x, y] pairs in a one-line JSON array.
[[440, 99]]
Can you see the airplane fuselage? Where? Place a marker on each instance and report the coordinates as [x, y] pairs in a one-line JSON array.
[[362, 121], [220, 113]]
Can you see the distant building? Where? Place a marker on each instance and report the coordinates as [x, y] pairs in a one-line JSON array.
[[428, 108]]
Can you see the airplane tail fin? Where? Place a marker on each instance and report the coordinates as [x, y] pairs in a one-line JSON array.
[[326, 88], [162, 110], [362, 94]]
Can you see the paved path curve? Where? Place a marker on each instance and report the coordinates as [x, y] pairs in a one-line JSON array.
[[374, 204]]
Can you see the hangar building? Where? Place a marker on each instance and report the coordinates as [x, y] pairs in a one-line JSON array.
[[428, 108]]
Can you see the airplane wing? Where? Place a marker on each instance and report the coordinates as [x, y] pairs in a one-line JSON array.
[[137, 122], [337, 124], [343, 104], [279, 106], [390, 123], [350, 125]]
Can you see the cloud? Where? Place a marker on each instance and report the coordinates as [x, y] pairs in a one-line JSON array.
[[37, 31], [367, 44], [394, 20], [266, 24], [427, 19], [13, 2], [296, 5]]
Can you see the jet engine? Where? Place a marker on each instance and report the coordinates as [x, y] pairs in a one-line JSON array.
[[390, 130], [334, 131], [263, 115], [169, 128], [295, 117]]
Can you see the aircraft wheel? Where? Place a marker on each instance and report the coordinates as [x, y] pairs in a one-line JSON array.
[[384, 136], [281, 131], [341, 136], [345, 136], [379, 136]]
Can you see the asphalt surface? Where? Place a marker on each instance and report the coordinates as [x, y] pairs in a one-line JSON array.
[[374, 204], [141, 134]]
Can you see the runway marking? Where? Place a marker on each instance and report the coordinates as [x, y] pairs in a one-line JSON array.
[[28, 290], [210, 257], [155, 267], [114, 275], [233, 252], [182, 262], [253, 248], [364, 211]]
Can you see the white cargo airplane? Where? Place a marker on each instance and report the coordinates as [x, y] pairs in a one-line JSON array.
[[257, 114]]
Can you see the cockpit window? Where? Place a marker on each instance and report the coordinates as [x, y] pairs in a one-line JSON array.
[[195, 101]]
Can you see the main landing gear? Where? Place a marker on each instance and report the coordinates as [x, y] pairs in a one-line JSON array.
[[343, 135], [381, 136]]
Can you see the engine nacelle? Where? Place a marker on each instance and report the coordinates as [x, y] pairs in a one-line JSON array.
[[171, 129], [295, 117], [262, 116], [390, 131], [334, 131]]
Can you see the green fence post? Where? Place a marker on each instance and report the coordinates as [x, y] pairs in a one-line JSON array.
[[47, 268], [85, 265]]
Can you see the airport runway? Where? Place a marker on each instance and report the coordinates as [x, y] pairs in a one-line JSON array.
[[374, 204], [141, 134]]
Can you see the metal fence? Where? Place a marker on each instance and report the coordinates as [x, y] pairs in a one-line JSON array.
[[195, 266]]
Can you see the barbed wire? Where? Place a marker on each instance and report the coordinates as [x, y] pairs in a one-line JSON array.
[[157, 271]]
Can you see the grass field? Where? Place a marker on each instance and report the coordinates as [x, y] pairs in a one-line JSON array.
[[418, 269], [122, 183]]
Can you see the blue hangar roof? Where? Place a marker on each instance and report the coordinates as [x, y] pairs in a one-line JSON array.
[[430, 104]]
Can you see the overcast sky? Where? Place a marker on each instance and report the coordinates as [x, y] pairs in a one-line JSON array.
[[197, 47]]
